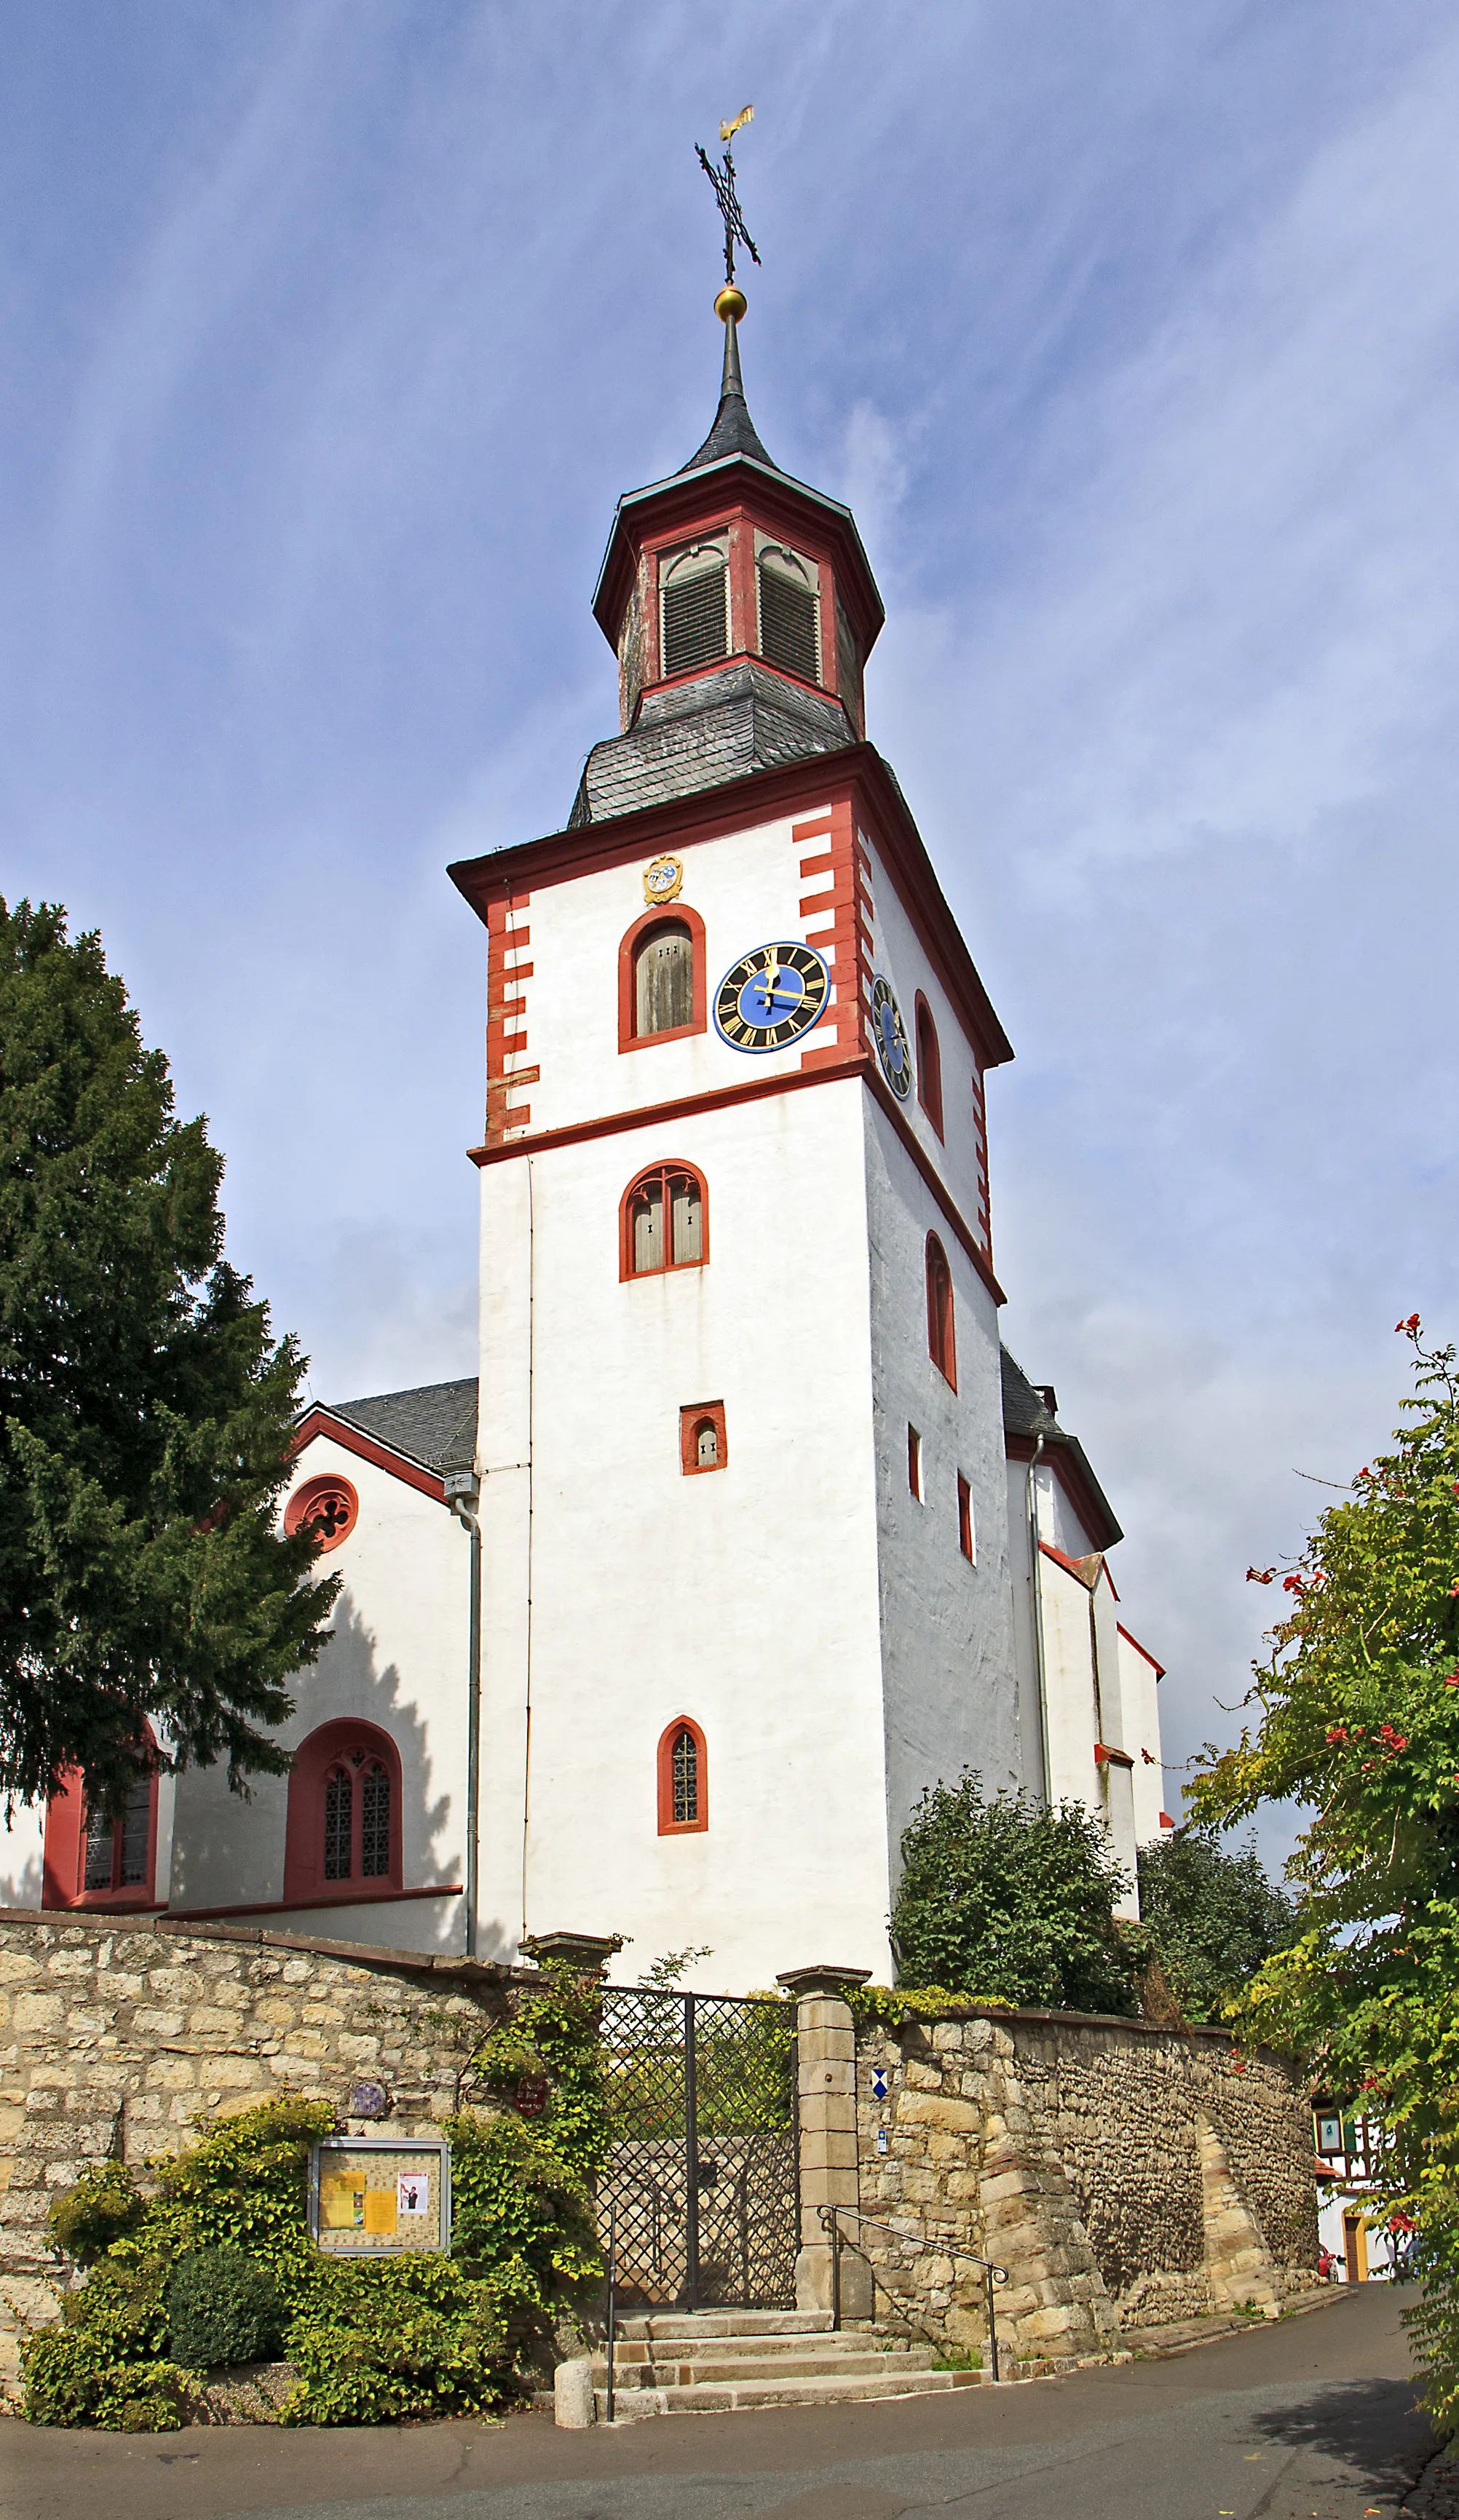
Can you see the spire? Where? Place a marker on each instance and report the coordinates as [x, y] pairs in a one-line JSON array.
[[734, 431]]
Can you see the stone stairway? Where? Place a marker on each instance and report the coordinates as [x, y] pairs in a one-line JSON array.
[[704, 2361]]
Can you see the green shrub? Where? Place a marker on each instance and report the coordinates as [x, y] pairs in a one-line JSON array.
[[222, 2308], [395, 2341], [104, 2206], [245, 2185], [72, 2379]]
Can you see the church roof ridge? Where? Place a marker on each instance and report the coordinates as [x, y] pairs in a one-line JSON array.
[[1027, 1413]]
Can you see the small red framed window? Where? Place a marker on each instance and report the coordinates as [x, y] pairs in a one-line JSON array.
[[966, 1537], [664, 1222], [928, 1065], [702, 1442], [663, 978], [941, 1343], [914, 1463], [327, 1507], [683, 1780], [343, 1836]]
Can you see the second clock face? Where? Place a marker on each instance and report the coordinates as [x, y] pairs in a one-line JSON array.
[[890, 1039], [771, 996]]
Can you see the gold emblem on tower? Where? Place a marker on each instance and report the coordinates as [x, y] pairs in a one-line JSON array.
[[663, 880]]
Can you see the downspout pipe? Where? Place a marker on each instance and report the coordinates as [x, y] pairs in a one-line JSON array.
[[461, 1495], [1036, 1584]]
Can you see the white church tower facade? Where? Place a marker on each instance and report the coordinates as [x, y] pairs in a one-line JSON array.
[[748, 1531]]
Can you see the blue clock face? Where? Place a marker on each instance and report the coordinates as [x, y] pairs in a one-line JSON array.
[[771, 996], [890, 1036]]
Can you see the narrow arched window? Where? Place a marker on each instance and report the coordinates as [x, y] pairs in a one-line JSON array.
[[666, 1224], [118, 1850], [683, 1780], [93, 1857], [790, 611], [343, 1836], [940, 1343], [663, 980], [928, 1065], [694, 600]]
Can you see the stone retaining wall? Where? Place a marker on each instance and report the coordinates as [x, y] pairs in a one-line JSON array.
[[1126, 2176], [119, 2038]]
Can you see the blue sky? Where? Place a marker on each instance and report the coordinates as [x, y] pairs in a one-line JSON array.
[[333, 330]]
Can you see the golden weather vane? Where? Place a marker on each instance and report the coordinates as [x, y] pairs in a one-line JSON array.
[[722, 177]]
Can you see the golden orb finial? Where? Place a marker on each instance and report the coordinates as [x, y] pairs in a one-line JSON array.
[[729, 305]]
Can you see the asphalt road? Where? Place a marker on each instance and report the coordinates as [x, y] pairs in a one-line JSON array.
[[1311, 2419]]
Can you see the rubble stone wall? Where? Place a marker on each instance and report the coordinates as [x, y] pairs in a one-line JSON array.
[[120, 2038], [1126, 2177]]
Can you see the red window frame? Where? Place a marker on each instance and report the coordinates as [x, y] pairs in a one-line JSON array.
[[941, 1330], [964, 1535], [669, 1164], [344, 1742], [669, 1740], [324, 1492], [929, 1064], [671, 913], [64, 1849], [704, 1413]]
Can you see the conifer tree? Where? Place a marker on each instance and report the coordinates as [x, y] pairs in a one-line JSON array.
[[146, 1415]]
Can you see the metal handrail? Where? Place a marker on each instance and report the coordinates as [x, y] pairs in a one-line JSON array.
[[613, 2294], [830, 2221]]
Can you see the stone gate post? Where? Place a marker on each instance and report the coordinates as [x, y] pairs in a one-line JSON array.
[[826, 2092]]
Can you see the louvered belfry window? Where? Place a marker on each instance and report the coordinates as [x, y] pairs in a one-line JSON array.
[[663, 980], [789, 628], [696, 609]]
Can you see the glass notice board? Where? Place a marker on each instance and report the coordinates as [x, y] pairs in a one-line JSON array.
[[372, 2197]]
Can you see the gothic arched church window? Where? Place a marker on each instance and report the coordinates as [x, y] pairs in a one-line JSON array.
[[344, 1830], [693, 608], [664, 1222], [683, 1780], [663, 979], [790, 611], [327, 1507], [941, 1345], [94, 1858]]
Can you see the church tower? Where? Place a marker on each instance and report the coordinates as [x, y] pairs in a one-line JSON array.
[[743, 1491]]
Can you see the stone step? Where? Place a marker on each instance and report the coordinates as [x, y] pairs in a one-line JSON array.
[[726, 2322], [721, 2396], [635, 2353], [666, 2372]]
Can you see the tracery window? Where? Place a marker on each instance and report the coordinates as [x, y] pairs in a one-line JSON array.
[[694, 605], [345, 1812], [940, 1342], [665, 1221], [683, 1780], [327, 1507]]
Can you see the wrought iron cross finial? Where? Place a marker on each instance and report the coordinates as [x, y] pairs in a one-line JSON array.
[[723, 180]]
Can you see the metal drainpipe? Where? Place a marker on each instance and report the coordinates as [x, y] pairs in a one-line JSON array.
[[1038, 1646], [461, 1506]]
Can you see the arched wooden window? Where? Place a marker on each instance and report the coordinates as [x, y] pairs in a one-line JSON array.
[[342, 1837], [683, 1780], [702, 1444], [928, 1065], [95, 1859], [662, 993], [693, 608], [941, 1345], [664, 1222]]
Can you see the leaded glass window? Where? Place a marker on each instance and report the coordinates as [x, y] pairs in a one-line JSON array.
[[685, 1777], [375, 1824], [339, 1818]]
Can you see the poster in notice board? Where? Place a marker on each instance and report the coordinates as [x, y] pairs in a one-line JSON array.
[[372, 2197]]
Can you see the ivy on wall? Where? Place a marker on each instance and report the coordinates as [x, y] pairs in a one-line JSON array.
[[371, 2340]]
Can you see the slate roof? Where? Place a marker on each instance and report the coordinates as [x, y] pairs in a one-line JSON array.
[[734, 431], [435, 1425], [1026, 1413], [722, 725]]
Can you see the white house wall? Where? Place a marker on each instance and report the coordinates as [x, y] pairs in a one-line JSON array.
[[946, 1626], [1139, 1676], [397, 1658], [22, 1840], [1024, 1612], [744, 1598]]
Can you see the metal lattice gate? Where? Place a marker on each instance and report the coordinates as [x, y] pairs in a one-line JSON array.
[[703, 2177]]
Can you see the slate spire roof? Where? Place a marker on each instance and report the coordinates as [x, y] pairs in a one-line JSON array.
[[734, 431]]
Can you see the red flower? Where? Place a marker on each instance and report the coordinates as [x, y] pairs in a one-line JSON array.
[[1337, 1733], [1263, 1575], [1411, 1323]]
